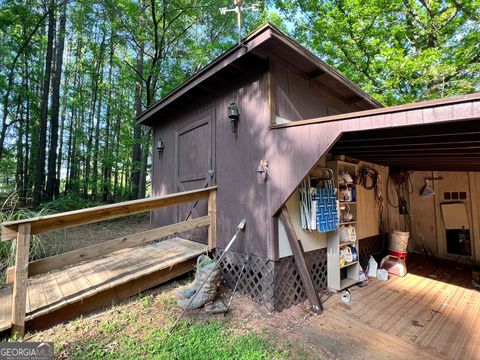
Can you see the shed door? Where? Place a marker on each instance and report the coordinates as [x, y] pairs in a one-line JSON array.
[[195, 163]]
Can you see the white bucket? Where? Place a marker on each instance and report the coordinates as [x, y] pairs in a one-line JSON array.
[[399, 241]]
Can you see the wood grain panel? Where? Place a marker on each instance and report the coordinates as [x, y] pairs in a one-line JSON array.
[[433, 308], [50, 292], [105, 212]]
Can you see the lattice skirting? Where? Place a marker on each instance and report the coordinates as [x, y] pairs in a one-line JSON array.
[[257, 280], [277, 284], [375, 245], [289, 289]]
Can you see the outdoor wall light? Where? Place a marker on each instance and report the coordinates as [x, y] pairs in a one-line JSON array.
[[262, 169], [233, 115], [160, 145]]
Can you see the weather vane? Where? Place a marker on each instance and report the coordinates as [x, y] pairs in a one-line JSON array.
[[238, 9]]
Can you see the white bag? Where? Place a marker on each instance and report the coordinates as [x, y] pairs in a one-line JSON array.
[[344, 234], [382, 274], [372, 267]]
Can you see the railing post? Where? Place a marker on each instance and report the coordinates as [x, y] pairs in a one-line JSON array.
[[212, 213], [20, 283]]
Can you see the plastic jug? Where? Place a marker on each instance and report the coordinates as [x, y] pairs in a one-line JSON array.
[[372, 267], [346, 252]]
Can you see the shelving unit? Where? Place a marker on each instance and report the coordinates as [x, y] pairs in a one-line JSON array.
[[346, 197]]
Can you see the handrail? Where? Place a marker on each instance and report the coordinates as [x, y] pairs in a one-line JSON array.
[[22, 231], [68, 219]]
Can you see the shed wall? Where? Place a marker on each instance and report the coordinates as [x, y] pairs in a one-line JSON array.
[[299, 98], [242, 193]]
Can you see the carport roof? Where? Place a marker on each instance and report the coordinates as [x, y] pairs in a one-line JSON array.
[[432, 135]]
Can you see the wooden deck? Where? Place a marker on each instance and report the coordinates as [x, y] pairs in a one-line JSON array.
[[434, 306], [48, 293]]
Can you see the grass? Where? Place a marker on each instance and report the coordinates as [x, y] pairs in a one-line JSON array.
[[209, 341], [138, 328]]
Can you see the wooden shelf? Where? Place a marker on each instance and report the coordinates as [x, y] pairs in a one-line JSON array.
[[344, 283], [348, 264], [352, 269], [347, 223]]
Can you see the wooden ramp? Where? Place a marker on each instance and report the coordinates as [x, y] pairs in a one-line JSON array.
[[65, 293]]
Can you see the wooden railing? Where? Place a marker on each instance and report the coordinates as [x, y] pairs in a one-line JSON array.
[[22, 230]]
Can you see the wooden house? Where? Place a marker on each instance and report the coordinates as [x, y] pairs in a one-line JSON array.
[[296, 113]]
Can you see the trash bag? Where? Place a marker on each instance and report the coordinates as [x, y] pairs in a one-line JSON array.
[[207, 292]]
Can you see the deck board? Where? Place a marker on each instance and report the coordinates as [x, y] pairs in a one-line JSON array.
[[5, 307], [52, 291], [66, 285], [433, 307], [36, 295]]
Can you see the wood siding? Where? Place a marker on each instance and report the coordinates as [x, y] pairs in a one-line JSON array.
[[299, 98], [292, 150], [242, 193], [297, 148]]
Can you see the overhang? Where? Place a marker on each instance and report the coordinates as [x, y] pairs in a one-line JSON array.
[[265, 44]]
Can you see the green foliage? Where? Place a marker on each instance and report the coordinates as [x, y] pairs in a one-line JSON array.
[[207, 341], [69, 202], [399, 51], [40, 247]]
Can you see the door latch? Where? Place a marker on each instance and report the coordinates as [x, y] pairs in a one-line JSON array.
[[211, 172]]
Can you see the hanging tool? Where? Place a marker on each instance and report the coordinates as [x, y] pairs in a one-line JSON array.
[[240, 227], [427, 189]]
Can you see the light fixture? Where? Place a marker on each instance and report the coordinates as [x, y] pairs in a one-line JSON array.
[[160, 145], [262, 168], [233, 115]]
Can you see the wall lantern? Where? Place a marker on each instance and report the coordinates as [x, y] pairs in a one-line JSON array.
[[160, 146], [262, 169], [233, 115]]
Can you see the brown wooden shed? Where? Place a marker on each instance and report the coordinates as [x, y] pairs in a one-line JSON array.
[[294, 110]]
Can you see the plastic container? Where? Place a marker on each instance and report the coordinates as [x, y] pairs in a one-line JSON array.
[[394, 265], [372, 267], [398, 241], [399, 254], [382, 274]]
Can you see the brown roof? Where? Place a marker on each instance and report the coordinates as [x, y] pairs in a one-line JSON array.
[[262, 44]]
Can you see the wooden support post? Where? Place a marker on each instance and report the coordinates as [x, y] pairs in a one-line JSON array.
[[298, 255], [20, 283], [212, 213]]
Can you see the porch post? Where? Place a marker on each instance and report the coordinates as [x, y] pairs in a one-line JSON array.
[[19, 297]]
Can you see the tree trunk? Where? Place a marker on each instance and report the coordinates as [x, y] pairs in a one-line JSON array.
[[144, 166], [23, 192], [95, 149], [137, 131], [56, 81], [42, 142], [97, 78], [107, 154]]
